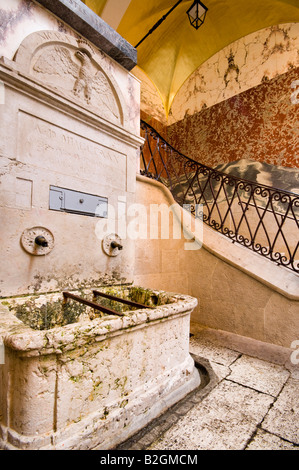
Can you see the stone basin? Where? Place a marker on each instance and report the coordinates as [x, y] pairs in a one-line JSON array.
[[99, 378]]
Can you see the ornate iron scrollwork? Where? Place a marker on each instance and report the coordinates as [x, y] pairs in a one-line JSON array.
[[259, 217]]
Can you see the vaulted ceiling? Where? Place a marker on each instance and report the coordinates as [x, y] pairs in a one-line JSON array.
[[175, 49]]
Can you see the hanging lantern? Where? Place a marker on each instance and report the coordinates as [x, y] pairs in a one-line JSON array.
[[197, 14]]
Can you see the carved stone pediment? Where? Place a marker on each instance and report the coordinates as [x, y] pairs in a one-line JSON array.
[[74, 69]]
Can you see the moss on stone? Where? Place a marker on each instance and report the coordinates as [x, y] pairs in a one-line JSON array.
[[47, 315]]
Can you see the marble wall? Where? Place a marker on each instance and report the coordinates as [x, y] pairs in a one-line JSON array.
[[260, 124], [242, 65]]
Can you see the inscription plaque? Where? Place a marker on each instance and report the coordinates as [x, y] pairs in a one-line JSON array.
[[53, 148]]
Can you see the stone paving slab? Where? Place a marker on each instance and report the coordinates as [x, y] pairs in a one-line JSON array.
[[224, 420], [283, 418], [249, 403], [265, 441], [220, 370], [259, 375], [212, 351]]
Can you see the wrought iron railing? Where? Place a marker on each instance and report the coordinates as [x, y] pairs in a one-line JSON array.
[[259, 217]]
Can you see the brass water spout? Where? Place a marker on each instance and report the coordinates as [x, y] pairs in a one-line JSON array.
[[114, 244], [41, 241]]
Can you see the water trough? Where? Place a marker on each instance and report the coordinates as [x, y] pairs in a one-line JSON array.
[[94, 378]]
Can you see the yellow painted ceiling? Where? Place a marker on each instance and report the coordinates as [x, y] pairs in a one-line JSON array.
[[175, 49]]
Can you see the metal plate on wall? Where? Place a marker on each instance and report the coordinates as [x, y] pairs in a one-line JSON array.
[[76, 202]]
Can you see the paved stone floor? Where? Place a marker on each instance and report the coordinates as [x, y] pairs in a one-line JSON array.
[[248, 400]]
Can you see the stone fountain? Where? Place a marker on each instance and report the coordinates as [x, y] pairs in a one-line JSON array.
[[70, 140]]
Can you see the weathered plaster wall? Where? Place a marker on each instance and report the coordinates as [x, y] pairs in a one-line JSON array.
[[238, 104], [242, 65], [151, 101], [19, 18], [238, 291]]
